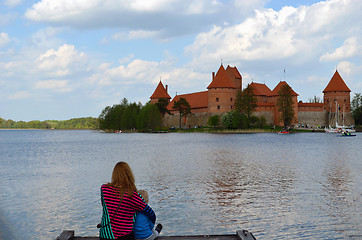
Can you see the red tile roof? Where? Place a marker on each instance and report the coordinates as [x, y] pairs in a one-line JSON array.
[[233, 72], [196, 100], [260, 89], [279, 86], [160, 92], [221, 80], [336, 84]]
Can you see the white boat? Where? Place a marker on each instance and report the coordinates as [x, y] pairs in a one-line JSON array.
[[331, 130], [338, 128], [344, 128]]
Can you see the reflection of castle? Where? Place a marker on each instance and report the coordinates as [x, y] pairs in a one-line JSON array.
[[221, 95]]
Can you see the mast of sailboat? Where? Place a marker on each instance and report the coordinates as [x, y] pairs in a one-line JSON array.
[[336, 113], [330, 114], [343, 116]]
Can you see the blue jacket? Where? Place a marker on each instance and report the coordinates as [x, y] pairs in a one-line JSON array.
[[142, 227]]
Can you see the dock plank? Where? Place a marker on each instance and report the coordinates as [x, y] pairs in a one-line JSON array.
[[240, 235], [192, 237]]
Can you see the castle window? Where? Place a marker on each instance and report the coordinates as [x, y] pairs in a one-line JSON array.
[[231, 99], [231, 107], [218, 107], [217, 99]]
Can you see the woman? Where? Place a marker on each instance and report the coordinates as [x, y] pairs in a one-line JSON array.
[[120, 201]]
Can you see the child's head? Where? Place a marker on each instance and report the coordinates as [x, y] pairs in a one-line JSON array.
[[144, 195]]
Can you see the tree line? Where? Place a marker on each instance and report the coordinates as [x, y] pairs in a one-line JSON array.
[[74, 123], [127, 116]]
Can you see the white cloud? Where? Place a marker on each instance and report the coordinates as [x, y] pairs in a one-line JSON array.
[[350, 48], [61, 62], [19, 95], [351, 74], [139, 34], [300, 33], [57, 85], [45, 38], [169, 18], [349, 68], [137, 71], [4, 39]]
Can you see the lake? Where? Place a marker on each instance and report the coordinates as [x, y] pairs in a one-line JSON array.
[[297, 186]]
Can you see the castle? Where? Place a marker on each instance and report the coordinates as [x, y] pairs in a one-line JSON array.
[[222, 91]]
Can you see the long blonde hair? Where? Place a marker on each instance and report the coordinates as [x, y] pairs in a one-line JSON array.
[[123, 179]]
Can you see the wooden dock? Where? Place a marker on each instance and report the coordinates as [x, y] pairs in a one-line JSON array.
[[240, 235]]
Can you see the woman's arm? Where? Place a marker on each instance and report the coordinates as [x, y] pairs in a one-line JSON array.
[[140, 205], [149, 213]]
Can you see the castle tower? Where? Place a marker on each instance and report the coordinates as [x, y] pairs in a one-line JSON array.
[[160, 92], [235, 76], [221, 92], [337, 101], [274, 97]]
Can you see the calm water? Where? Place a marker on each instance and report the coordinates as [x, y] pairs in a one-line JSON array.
[[300, 186]]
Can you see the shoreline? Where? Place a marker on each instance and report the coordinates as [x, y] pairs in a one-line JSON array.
[[191, 130]]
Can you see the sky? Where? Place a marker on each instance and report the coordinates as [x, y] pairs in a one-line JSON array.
[[71, 58]]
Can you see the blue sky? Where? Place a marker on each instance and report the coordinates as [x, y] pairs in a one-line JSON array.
[[65, 59]]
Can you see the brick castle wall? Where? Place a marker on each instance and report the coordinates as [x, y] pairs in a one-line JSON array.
[[312, 118]]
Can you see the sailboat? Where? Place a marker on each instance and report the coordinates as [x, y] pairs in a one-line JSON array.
[[343, 128], [331, 129]]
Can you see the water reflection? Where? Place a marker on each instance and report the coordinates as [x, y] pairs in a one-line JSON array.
[[278, 187]]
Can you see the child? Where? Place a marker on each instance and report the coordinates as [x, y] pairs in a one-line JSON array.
[[143, 226]]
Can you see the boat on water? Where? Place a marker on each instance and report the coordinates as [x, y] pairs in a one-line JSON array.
[[344, 128], [347, 134], [240, 235], [338, 128], [284, 132], [330, 130]]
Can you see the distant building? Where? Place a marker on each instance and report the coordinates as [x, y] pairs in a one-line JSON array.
[[221, 95]]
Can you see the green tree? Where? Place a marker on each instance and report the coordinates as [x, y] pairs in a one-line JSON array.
[[214, 120], [356, 107], [227, 119], [286, 105], [162, 104], [234, 120], [129, 116], [110, 118], [183, 108], [261, 122], [149, 117], [246, 101], [240, 120]]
